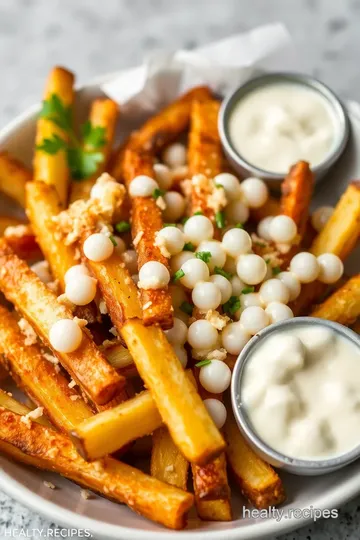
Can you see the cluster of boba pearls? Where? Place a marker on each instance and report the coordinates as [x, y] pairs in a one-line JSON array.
[[220, 276]]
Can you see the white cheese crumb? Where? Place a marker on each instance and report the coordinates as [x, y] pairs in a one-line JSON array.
[[53, 285], [28, 331], [63, 300], [80, 322], [160, 242], [18, 231], [49, 485], [32, 415], [169, 468], [217, 320], [137, 238], [160, 202], [72, 384], [50, 358], [102, 307], [113, 331], [74, 398], [147, 305], [85, 494]]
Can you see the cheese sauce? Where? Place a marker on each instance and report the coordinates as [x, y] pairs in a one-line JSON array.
[[279, 124], [301, 392]]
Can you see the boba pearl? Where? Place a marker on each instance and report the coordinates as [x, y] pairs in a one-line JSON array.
[[202, 335], [142, 186], [263, 228], [230, 184], [282, 229], [278, 312], [305, 267], [237, 286], [255, 192], [65, 336], [177, 335], [237, 212], [76, 271], [178, 260], [218, 255], [253, 319], [274, 290], [251, 269], [163, 176], [81, 290], [153, 275], [173, 239], [181, 353], [215, 377], [195, 270], [321, 216], [236, 242], [175, 206], [217, 411], [224, 286], [331, 268], [98, 247], [175, 155], [197, 229], [234, 338], [206, 295]]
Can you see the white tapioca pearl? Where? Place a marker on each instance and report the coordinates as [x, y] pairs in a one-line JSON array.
[[177, 335], [282, 229], [218, 255], [174, 239], [250, 299], [197, 229], [65, 336], [175, 155], [253, 319], [195, 270], [278, 312], [215, 377], [202, 335], [274, 290], [206, 295], [230, 184], [181, 353], [237, 212], [263, 228], [255, 192], [236, 242], [234, 338], [178, 260], [129, 258], [237, 285], [230, 265], [98, 247], [305, 267], [175, 206], [224, 286], [178, 296], [142, 186], [293, 284], [120, 245], [321, 216], [331, 268], [81, 290], [217, 411], [163, 176], [251, 268], [153, 275]]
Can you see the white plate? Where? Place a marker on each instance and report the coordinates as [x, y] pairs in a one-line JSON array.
[[65, 505]]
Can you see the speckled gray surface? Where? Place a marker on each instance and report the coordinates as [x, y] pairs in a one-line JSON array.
[[93, 37]]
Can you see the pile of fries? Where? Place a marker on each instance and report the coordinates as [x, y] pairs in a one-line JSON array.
[[123, 391]]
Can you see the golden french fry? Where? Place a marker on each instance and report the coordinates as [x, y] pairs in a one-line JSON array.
[[9, 403], [167, 462], [343, 306], [53, 169], [46, 449], [103, 113], [40, 307], [296, 193], [13, 177]]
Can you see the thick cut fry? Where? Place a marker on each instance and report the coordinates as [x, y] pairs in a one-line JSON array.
[[297, 190], [210, 481], [146, 221], [257, 480], [205, 158], [179, 404], [39, 378], [339, 236], [356, 326], [22, 240], [42, 203], [167, 463], [53, 169], [104, 113], [53, 451], [218, 510], [13, 178], [40, 307], [343, 306], [9, 403]]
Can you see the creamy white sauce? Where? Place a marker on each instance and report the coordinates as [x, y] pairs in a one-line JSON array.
[[279, 124], [301, 392]]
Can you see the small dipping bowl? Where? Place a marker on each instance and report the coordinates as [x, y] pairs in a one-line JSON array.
[[274, 179], [304, 467]]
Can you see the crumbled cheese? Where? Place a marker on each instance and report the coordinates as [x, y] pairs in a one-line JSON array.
[[138, 237], [28, 331], [147, 305], [113, 331], [32, 415], [209, 354], [108, 343], [160, 242], [57, 368], [72, 383], [218, 354], [267, 250], [81, 322], [53, 285], [9, 394], [85, 494], [102, 307], [50, 358], [63, 300], [169, 468], [205, 188], [217, 320], [42, 271], [74, 398], [49, 485], [160, 202], [18, 231]]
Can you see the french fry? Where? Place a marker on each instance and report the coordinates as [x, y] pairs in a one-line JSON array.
[[53, 451], [167, 462], [38, 377], [40, 307], [21, 239], [103, 113], [42, 203], [145, 223], [13, 178], [218, 510], [339, 236], [297, 190], [53, 169], [257, 480], [11, 404], [343, 306], [356, 326], [3, 374]]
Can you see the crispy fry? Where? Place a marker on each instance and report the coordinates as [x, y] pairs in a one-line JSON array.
[[104, 113], [9, 403], [13, 177], [40, 307], [297, 190], [145, 223], [343, 306], [53, 451], [22, 240], [258, 482], [42, 203], [53, 169], [167, 462], [39, 378], [356, 326]]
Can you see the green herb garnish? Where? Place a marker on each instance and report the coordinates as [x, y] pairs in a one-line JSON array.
[[220, 220], [189, 246], [203, 255], [232, 305], [198, 213], [83, 155], [239, 226], [169, 224], [122, 226], [158, 193], [260, 244], [178, 275], [248, 290], [222, 272], [219, 186], [113, 241], [203, 363], [276, 270], [187, 308], [184, 220]]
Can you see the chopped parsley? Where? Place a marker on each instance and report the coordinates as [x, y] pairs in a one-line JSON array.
[[222, 272], [239, 226], [203, 255], [276, 270], [220, 220], [189, 246], [169, 225], [178, 275], [187, 308], [198, 213], [232, 305], [113, 241], [184, 220], [203, 363], [158, 193], [248, 290], [122, 226]]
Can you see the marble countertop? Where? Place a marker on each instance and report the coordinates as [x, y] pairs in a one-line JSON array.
[[92, 37]]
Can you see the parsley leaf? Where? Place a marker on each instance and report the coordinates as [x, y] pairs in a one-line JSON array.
[[169, 225], [220, 220], [203, 255], [232, 305], [239, 226], [56, 112], [158, 193], [222, 272], [52, 145], [248, 290], [184, 220], [113, 241], [189, 246], [276, 270], [122, 226], [178, 275], [83, 164], [93, 136], [198, 213], [203, 363], [187, 308]]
